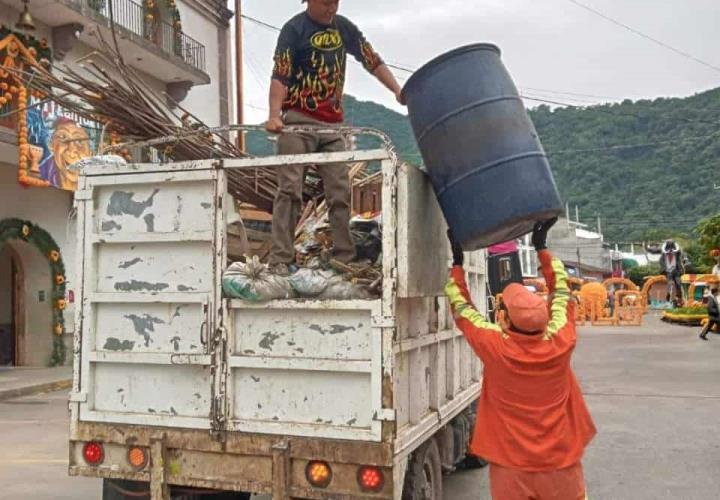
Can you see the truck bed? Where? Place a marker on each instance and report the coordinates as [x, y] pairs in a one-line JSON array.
[[159, 350]]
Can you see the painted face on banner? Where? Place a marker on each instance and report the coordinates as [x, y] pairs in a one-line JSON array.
[[70, 144]]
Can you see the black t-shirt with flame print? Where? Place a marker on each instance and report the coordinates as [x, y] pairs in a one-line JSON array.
[[310, 60]]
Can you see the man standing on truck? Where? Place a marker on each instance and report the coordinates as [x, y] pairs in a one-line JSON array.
[[307, 89], [532, 423]]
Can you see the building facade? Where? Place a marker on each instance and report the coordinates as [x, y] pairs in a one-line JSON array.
[[584, 252], [179, 47]]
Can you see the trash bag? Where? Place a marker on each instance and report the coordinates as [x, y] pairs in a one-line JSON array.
[[98, 161], [310, 282], [367, 237], [340, 289], [253, 282]]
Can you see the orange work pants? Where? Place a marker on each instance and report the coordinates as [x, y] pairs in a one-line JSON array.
[[513, 484]]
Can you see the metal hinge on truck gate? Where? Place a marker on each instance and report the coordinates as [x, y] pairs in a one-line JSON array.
[[218, 410]]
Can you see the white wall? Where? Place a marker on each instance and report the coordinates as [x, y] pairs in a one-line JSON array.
[[48, 208], [203, 100]]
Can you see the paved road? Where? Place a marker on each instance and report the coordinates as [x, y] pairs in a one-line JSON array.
[[654, 393], [34, 457]]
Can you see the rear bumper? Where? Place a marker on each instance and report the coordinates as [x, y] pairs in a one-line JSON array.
[[237, 462]]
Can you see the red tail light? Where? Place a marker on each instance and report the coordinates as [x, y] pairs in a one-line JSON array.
[[93, 453], [370, 479]]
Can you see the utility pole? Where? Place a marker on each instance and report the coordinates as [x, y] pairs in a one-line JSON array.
[[239, 96]]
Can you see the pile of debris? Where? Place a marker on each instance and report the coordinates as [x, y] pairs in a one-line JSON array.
[[317, 275]]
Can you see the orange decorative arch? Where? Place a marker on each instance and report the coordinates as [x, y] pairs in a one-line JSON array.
[[575, 283], [710, 279], [629, 308], [629, 285], [650, 282], [593, 297]]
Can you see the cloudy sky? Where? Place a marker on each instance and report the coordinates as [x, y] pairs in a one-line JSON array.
[[553, 48]]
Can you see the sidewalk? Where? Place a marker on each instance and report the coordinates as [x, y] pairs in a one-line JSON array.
[[18, 382]]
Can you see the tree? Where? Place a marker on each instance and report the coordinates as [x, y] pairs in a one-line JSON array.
[[709, 232], [638, 274]]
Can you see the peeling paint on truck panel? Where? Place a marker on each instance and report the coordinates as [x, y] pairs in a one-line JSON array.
[[168, 203], [155, 272], [144, 325], [173, 327], [140, 286], [330, 334], [178, 214], [109, 225], [268, 340], [129, 263], [333, 330], [113, 344], [122, 203], [144, 384], [149, 223], [296, 396]]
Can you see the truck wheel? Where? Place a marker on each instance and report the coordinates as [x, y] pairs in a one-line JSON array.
[[423, 480], [118, 489]]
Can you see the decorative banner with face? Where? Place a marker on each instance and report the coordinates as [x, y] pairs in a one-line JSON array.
[[58, 139]]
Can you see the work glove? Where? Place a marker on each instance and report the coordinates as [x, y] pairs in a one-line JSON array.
[[540, 232], [457, 251]]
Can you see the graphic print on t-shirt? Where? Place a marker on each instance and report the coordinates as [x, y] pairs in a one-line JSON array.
[[310, 60]]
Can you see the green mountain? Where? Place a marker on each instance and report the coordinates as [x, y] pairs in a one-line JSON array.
[[647, 168]]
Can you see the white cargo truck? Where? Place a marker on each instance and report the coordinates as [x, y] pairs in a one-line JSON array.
[[180, 392]]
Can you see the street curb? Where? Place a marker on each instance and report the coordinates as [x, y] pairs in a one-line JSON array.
[[30, 390]]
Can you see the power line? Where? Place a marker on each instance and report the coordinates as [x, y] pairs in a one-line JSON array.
[[408, 69], [643, 35], [570, 93], [404, 67], [261, 23], [598, 108]]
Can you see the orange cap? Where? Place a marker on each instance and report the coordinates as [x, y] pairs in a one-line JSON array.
[[526, 311]]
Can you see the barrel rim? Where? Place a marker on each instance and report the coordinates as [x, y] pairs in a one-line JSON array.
[[448, 55]]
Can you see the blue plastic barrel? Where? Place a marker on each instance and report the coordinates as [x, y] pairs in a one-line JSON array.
[[482, 152]]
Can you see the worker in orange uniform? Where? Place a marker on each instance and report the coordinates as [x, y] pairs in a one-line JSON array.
[[532, 423]]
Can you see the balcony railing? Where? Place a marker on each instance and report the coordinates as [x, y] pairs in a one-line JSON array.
[[131, 16]]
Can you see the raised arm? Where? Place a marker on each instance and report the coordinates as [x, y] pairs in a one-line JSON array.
[[557, 281], [556, 278], [478, 331]]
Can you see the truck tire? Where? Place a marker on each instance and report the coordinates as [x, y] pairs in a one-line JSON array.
[[119, 489], [423, 479]]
